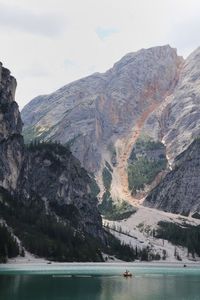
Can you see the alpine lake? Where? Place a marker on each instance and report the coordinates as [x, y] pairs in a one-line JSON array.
[[98, 282]]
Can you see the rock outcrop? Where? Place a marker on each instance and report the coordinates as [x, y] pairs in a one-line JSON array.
[[176, 121], [181, 117], [179, 192], [11, 141], [177, 124]]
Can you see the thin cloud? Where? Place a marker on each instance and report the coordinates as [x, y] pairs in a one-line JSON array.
[[16, 18], [32, 72], [68, 64], [104, 33]]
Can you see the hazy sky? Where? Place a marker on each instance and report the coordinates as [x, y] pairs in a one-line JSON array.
[[48, 43]]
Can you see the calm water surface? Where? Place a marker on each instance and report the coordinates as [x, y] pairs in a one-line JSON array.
[[99, 283]]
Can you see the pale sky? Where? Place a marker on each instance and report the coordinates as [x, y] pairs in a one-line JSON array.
[[49, 43]]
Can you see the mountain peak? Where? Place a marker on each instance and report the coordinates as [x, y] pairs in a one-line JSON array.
[[149, 53]]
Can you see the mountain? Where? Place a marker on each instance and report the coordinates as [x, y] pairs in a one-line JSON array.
[[179, 192], [127, 126], [143, 125], [47, 200], [48, 204], [101, 116]]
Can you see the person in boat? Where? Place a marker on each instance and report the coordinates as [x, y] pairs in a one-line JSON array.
[[127, 273]]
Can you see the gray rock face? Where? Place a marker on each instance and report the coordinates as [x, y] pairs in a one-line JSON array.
[[181, 117], [94, 112], [48, 172], [176, 122], [11, 141], [179, 192]]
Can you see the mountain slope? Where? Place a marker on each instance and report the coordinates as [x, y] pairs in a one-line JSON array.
[[102, 115], [176, 121], [182, 125], [179, 192]]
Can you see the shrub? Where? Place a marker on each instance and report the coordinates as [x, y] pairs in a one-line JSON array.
[[8, 245], [107, 178], [146, 161], [115, 211]]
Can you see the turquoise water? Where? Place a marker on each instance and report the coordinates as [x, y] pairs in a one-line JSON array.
[[99, 283]]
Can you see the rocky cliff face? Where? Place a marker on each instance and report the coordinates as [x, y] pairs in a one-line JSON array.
[[101, 116], [43, 177], [181, 117], [52, 173], [11, 141], [177, 124], [176, 121], [179, 192]]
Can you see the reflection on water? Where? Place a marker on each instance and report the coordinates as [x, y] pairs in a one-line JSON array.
[[62, 287]]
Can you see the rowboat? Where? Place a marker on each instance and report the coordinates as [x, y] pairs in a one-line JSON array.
[[127, 274]]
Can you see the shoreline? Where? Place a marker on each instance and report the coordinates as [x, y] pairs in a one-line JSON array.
[[38, 265]]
